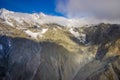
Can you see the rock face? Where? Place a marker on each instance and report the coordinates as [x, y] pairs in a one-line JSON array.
[[59, 55], [103, 33]]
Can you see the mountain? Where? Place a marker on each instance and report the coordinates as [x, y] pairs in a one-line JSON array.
[[44, 47], [20, 19]]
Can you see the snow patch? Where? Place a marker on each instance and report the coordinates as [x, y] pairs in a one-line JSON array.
[[32, 34], [76, 34], [35, 35], [80, 36], [44, 31], [9, 23]]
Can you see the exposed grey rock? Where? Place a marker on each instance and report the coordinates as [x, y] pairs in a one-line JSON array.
[[25, 59]]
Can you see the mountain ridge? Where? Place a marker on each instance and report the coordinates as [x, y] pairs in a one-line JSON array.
[[37, 18], [53, 51]]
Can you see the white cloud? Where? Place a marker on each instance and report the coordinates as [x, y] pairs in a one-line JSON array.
[[98, 9]]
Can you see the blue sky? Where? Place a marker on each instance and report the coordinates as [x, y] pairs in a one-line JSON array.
[[31, 6], [99, 9]]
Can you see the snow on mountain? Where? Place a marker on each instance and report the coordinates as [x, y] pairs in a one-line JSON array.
[[35, 35], [32, 34], [80, 36], [38, 18], [76, 34], [22, 21], [9, 23], [44, 30]]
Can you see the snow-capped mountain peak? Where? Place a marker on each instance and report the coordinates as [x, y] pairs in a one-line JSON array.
[[42, 14], [5, 11], [37, 18]]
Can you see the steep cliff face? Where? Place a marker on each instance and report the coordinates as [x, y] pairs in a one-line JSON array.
[[55, 52], [102, 33], [29, 60], [106, 65]]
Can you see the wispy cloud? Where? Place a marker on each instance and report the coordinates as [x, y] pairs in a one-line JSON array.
[[106, 10]]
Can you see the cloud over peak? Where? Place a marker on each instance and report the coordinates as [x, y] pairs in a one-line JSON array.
[[98, 9]]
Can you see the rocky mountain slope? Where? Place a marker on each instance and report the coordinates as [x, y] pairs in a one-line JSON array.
[[33, 50]]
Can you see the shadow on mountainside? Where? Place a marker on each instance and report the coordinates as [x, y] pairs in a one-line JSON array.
[[24, 59], [11, 50], [76, 40], [29, 60], [102, 35]]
